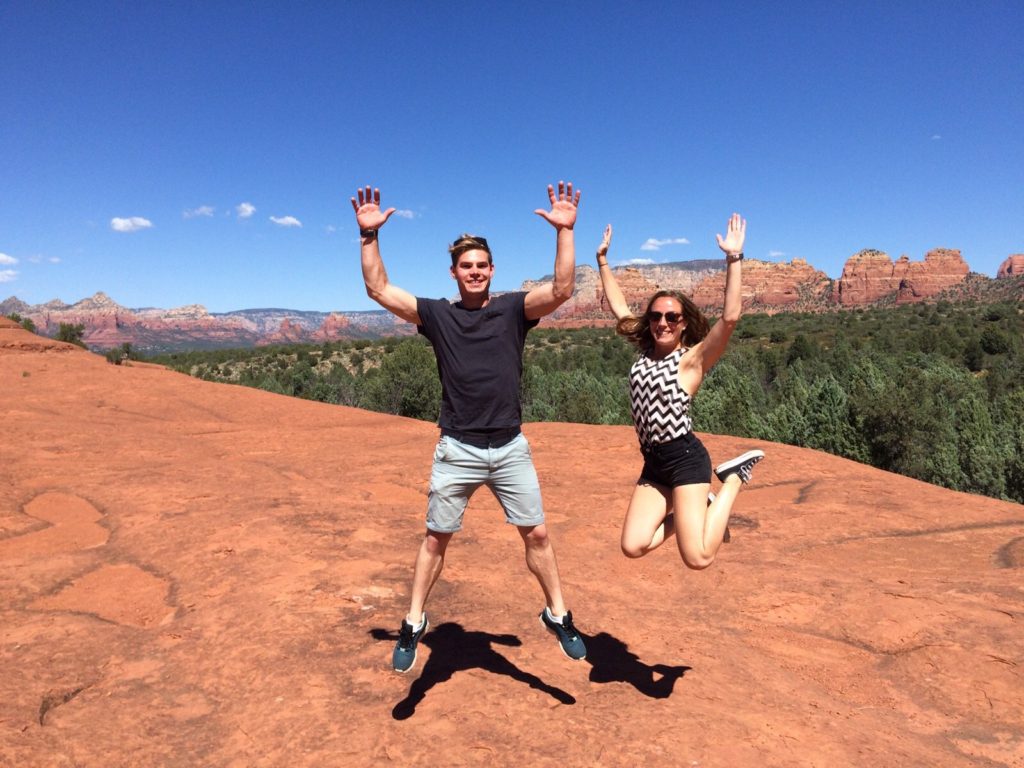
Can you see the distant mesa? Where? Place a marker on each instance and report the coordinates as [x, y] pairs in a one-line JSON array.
[[1012, 267], [108, 324], [869, 278], [872, 276]]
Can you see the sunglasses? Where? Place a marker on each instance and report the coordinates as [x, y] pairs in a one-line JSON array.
[[670, 317]]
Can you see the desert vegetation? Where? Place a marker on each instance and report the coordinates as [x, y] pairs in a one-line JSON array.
[[931, 391]]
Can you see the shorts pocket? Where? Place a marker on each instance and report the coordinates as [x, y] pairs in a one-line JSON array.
[[441, 449]]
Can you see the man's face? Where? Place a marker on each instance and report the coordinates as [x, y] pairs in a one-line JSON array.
[[473, 272]]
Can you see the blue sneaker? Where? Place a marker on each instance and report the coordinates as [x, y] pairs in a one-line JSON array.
[[404, 656], [569, 639], [741, 465]]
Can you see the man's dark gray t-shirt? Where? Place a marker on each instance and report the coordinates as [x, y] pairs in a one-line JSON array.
[[479, 359]]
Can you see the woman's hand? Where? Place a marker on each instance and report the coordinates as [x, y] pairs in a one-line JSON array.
[[602, 249], [735, 234]]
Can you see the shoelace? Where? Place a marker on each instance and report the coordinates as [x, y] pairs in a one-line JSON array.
[[405, 636], [567, 625]]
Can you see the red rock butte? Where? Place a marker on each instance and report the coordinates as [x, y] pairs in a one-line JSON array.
[[872, 276], [198, 574], [1012, 267]]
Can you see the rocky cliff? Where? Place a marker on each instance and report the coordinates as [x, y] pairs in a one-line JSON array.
[[588, 306], [1012, 267], [769, 287], [871, 277], [108, 324]]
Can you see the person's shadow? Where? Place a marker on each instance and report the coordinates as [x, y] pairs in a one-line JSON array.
[[613, 662], [453, 649]]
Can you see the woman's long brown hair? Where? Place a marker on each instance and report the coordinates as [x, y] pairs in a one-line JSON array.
[[637, 330]]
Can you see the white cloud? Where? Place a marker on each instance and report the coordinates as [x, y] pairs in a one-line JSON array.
[[654, 244], [405, 213], [936, 137], [245, 210], [776, 254], [134, 224], [7, 275], [5, 259], [202, 210], [639, 262], [286, 221], [330, 229], [54, 259]]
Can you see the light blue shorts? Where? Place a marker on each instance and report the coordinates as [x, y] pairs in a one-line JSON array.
[[459, 469]]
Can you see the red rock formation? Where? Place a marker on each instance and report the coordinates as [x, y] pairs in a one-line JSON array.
[[288, 332], [871, 276], [334, 327], [1012, 267], [588, 306], [769, 287], [197, 574]]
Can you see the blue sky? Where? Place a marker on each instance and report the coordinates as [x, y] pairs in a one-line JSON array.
[[204, 153]]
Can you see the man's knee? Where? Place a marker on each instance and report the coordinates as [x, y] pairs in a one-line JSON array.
[[535, 537], [436, 543]]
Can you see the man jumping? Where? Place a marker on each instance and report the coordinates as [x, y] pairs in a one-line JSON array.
[[478, 342]]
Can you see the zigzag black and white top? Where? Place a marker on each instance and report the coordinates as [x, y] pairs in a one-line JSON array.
[[659, 404]]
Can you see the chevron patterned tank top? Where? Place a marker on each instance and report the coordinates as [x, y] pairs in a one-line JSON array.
[[659, 404]]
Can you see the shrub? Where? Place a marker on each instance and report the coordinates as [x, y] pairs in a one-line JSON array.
[[71, 333]]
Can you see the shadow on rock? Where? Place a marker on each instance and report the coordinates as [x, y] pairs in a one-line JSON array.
[[613, 662], [453, 649]]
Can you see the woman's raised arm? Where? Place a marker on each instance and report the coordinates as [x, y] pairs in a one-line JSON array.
[[612, 292]]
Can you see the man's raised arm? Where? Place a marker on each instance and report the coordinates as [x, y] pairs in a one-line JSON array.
[[545, 299], [371, 218]]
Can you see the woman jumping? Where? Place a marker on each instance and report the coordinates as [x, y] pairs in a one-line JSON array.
[[677, 350]]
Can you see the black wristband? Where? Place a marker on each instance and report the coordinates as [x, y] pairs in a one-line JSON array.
[[730, 259], [368, 233]]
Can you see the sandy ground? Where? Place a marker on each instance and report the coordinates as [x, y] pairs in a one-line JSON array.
[[196, 574]]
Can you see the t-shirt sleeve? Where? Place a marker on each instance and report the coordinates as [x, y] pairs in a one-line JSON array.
[[425, 309], [520, 299]]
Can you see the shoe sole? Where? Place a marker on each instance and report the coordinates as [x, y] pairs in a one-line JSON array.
[[549, 629], [415, 654], [738, 462]]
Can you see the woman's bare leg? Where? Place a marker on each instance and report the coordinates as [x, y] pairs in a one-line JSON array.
[[701, 526], [647, 522]]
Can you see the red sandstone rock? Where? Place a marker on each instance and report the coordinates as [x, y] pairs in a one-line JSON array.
[[199, 574], [1012, 267], [794, 286], [335, 327], [872, 276]]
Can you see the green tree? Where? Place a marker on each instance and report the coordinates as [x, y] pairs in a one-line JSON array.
[[71, 333], [729, 403], [981, 460], [24, 322], [829, 421], [406, 383], [1012, 440]]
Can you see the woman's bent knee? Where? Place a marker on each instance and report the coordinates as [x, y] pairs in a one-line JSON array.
[[697, 562], [633, 551]]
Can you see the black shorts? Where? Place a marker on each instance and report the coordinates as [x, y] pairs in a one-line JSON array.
[[683, 461]]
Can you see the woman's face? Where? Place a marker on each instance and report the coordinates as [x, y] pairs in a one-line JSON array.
[[665, 318]]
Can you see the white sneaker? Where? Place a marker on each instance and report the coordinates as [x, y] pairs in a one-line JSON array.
[[742, 465]]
